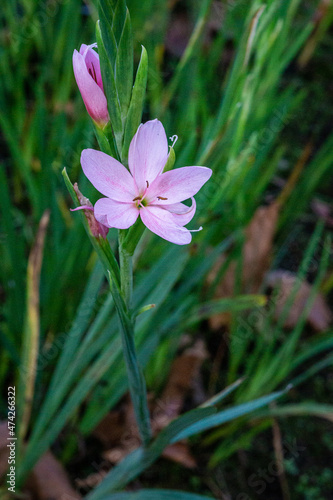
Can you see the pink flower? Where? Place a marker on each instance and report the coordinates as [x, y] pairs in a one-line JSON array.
[[88, 77], [145, 190]]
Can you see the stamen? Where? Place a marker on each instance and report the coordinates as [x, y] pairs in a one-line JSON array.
[[137, 198], [161, 198], [147, 184], [82, 207], [174, 138]]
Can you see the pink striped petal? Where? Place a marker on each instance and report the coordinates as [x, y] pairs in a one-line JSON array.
[[91, 59], [181, 213], [108, 176], [114, 214], [162, 223], [92, 95], [148, 153], [177, 185]]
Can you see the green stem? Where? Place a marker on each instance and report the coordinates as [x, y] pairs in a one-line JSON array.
[[136, 380], [126, 272]]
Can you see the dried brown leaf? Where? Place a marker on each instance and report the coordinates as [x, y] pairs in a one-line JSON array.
[[257, 253], [320, 315], [183, 372], [32, 333], [111, 428], [92, 480], [180, 453], [49, 481]]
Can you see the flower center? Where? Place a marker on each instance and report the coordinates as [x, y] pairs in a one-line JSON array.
[[140, 200]]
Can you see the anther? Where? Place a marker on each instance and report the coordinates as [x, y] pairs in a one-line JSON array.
[[161, 198], [147, 184], [137, 198]]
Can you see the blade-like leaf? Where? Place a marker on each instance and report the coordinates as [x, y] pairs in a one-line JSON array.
[[124, 67], [136, 379], [217, 306], [107, 8], [137, 101], [227, 415], [139, 460], [110, 88], [119, 18], [108, 38]]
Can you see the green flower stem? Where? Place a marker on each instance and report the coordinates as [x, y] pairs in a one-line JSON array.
[[137, 385], [132, 236], [136, 381], [126, 271]]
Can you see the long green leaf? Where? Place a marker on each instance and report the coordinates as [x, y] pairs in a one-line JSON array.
[[227, 415], [124, 67], [110, 89], [137, 101]]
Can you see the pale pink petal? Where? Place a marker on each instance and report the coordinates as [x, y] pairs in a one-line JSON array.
[[148, 153], [108, 176], [177, 185], [91, 59], [83, 48], [161, 222], [181, 213], [115, 214], [92, 95]]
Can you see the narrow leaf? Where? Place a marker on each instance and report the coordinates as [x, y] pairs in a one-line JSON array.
[[124, 67], [31, 331], [137, 101], [108, 38], [110, 88], [227, 415], [136, 379], [229, 304], [119, 19], [107, 8], [223, 394]]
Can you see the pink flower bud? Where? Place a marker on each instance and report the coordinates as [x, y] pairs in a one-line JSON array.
[[97, 228], [88, 77]]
